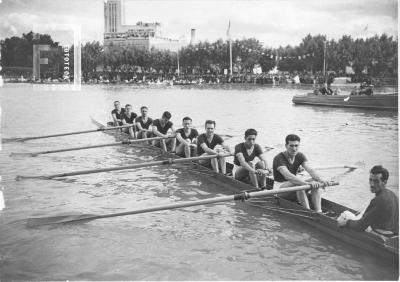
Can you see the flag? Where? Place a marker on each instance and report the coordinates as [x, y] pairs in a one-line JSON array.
[[228, 32]]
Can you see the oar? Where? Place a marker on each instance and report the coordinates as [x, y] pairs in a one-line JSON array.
[[350, 166], [22, 139], [145, 164], [128, 142], [34, 222]]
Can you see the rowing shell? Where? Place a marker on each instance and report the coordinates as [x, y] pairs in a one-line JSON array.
[[383, 246]]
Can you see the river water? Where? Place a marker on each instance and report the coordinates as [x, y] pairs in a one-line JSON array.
[[231, 241]]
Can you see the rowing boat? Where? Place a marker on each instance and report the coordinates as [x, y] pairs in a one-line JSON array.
[[387, 101], [378, 244]]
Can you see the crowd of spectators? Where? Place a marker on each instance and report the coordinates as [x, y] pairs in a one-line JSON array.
[[277, 78]]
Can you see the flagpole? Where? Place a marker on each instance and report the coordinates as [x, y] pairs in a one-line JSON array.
[[177, 55], [230, 54], [228, 33]]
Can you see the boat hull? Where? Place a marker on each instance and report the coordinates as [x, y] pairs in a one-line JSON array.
[[385, 247], [382, 246], [387, 102]]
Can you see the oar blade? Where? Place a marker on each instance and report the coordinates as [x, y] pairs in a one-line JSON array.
[[359, 164], [11, 139], [41, 221], [23, 155], [23, 177]]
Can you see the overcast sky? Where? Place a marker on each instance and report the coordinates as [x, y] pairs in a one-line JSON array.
[[273, 22]]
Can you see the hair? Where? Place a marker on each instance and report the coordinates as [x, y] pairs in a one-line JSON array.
[[209, 121], [143, 107], [292, 137], [186, 118], [167, 115], [117, 102], [378, 169], [128, 105], [250, 131]]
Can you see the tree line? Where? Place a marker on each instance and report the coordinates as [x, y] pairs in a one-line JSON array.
[[375, 56]]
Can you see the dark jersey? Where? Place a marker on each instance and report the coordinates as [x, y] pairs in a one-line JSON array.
[[129, 119], [160, 128], [217, 140], [145, 125], [382, 213], [118, 115], [281, 160], [241, 148], [193, 134]]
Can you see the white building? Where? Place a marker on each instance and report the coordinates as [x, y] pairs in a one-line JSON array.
[[141, 35]]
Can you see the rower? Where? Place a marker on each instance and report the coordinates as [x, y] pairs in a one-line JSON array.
[[129, 118], [186, 139], [382, 214], [206, 145], [143, 124], [250, 161], [285, 167], [160, 128], [117, 113]]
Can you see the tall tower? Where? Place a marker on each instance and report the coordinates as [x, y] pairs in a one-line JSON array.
[[192, 36], [112, 16]]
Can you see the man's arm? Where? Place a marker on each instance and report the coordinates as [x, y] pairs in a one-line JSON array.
[[114, 117], [372, 214], [139, 126], [315, 176], [291, 177], [158, 133], [207, 150], [181, 140], [244, 164], [226, 147]]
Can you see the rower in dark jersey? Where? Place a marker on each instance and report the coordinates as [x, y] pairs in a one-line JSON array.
[[144, 123], [285, 167], [250, 161], [207, 145], [129, 118], [160, 129], [117, 113], [186, 139], [382, 214]]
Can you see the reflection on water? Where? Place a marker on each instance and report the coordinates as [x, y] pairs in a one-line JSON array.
[[231, 241]]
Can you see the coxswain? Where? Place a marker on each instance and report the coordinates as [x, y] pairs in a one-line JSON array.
[[285, 167], [382, 214], [129, 118], [186, 139], [161, 127], [143, 124], [117, 113], [206, 145], [250, 161]]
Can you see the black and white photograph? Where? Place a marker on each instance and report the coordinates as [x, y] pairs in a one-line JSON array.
[[199, 140]]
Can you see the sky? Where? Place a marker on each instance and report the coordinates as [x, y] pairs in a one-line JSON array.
[[273, 22]]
